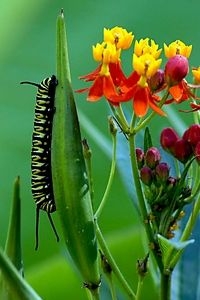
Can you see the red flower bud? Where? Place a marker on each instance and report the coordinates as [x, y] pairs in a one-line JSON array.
[[152, 157], [168, 138], [171, 181], [182, 150], [192, 134], [157, 81], [140, 157], [176, 69], [146, 175], [162, 172], [197, 152]]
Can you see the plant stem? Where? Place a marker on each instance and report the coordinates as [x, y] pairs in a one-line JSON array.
[[191, 222], [110, 180], [120, 117], [165, 286], [141, 200], [95, 294], [113, 264], [139, 288], [112, 287]]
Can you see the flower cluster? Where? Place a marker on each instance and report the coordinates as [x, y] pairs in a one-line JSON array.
[[185, 147], [164, 193], [147, 80]]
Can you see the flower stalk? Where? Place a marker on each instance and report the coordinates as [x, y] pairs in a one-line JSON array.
[[112, 170]]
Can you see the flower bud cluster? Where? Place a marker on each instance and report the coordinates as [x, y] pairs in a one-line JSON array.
[[185, 147], [152, 170], [162, 191]]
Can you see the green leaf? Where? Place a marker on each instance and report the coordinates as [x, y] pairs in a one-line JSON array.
[[170, 250], [147, 140], [70, 182], [13, 242], [18, 287]]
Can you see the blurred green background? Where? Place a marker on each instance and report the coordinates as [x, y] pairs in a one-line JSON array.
[[27, 52]]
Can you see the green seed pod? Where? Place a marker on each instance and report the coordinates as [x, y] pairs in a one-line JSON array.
[[70, 182]]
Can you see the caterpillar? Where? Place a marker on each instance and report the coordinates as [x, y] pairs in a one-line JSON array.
[[41, 175]]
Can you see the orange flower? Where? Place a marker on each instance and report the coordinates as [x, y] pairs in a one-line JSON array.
[[143, 99], [103, 84], [181, 92], [107, 76]]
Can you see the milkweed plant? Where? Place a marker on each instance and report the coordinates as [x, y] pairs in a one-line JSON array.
[[161, 196]]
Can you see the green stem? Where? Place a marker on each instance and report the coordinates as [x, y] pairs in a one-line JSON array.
[[139, 287], [110, 180], [165, 286], [112, 287], [141, 200], [191, 222], [95, 294], [120, 117], [113, 264]]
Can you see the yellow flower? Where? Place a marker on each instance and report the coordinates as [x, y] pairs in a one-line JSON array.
[[119, 37], [106, 53], [177, 47], [143, 46], [146, 64], [196, 74]]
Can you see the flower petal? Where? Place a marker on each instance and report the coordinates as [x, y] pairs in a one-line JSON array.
[[177, 92], [91, 76], [110, 91], [96, 90], [157, 109], [117, 74], [140, 102]]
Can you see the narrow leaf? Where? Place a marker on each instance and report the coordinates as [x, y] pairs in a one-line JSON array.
[[147, 140], [13, 242], [18, 287]]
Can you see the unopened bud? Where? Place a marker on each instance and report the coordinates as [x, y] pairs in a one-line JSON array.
[[142, 266], [168, 138], [162, 172], [182, 150], [146, 175], [152, 157], [192, 134], [140, 157], [197, 152], [176, 69], [112, 126], [171, 182], [157, 81]]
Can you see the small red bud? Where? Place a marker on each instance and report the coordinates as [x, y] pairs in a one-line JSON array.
[[182, 150], [176, 69], [171, 181], [152, 157], [192, 134], [140, 157], [168, 138], [197, 152], [162, 172], [146, 175], [157, 81]]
